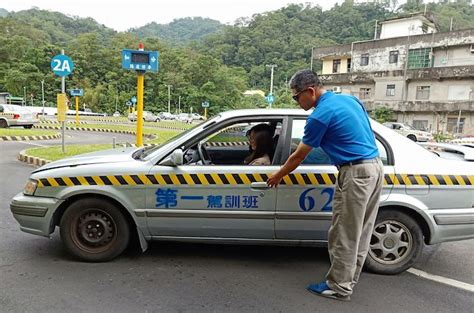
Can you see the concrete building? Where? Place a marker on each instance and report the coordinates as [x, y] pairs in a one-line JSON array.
[[425, 76]]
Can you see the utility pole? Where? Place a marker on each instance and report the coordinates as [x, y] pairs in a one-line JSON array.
[[271, 66], [42, 95], [116, 102], [179, 104], [24, 95], [375, 32], [169, 98], [311, 61]]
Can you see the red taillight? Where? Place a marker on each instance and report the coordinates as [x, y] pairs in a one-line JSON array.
[[16, 116]]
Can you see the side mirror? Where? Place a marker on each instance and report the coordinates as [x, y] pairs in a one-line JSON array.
[[176, 158]]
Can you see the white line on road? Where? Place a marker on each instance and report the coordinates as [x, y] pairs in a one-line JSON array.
[[442, 280], [33, 144]]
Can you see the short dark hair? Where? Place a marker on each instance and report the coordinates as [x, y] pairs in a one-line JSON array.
[[304, 79]]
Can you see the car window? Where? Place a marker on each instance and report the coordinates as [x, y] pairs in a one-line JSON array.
[[317, 156], [1, 109], [230, 145]]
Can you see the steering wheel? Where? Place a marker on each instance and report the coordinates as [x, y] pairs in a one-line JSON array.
[[203, 154]]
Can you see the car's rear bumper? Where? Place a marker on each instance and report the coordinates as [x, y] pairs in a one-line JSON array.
[[452, 224], [22, 122], [34, 214]]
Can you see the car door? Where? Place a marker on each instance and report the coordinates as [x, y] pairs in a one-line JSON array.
[[304, 200], [212, 201]]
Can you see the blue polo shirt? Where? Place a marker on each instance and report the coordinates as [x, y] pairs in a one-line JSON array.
[[340, 126]]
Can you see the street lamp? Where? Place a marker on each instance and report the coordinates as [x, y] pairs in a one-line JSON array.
[[42, 94], [24, 95], [169, 98]]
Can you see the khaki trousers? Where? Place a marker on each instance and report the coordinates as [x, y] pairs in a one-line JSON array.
[[355, 207]]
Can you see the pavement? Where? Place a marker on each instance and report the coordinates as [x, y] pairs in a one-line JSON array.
[[37, 275]]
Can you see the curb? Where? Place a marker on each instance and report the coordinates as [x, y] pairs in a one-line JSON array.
[[28, 138], [23, 157]]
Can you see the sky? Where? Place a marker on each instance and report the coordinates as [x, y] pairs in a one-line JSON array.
[[122, 15]]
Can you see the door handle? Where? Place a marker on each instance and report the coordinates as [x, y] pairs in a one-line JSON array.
[[259, 185]]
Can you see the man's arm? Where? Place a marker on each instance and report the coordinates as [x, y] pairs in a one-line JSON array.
[[290, 165]]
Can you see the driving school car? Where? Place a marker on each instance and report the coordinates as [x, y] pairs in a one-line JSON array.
[[196, 188]]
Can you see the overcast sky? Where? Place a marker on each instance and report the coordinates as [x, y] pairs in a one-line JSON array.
[[121, 14]]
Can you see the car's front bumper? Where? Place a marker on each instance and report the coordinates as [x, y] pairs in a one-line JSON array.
[[35, 214], [452, 224]]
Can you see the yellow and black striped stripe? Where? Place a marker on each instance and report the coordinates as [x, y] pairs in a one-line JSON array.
[[244, 179]]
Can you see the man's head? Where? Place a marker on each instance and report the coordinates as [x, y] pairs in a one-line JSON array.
[[306, 88]]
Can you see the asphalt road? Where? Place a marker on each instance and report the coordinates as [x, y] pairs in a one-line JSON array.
[[37, 275]]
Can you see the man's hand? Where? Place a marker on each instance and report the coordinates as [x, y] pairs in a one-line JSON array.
[[274, 180], [290, 165]]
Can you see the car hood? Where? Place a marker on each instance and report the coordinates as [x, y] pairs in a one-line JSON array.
[[106, 156]]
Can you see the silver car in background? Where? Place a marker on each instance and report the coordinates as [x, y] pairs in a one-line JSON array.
[[197, 188], [16, 115]]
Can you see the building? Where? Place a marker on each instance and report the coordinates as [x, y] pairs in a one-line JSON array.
[[426, 77]]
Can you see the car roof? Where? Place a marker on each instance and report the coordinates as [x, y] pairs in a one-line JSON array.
[[264, 112]]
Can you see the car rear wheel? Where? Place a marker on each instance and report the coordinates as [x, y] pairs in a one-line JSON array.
[[396, 243], [412, 137], [28, 126], [94, 230], [3, 124]]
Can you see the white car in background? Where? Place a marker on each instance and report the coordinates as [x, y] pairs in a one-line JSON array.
[[185, 118], [167, 116], [409, 131], [147, 117], [16, 115]]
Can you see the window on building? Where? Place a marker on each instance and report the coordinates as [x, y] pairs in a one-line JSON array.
[[452, 126], [420, 124], [419, 58], [349, 61], [364, 59], [336, 66], [393, 57], [390, 90], [364, 93], [422, 92]]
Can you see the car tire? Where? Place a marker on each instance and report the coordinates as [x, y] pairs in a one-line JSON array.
[[412, 137], [396, 243], [28, 126], [3, 124], [94, 230]]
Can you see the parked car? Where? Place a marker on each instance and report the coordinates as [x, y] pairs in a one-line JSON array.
[[147, 117], [116, 114], [185, 118], [195, 187], [409, 131], [450, 151], [17, 115], [197, 117], [167, 116]]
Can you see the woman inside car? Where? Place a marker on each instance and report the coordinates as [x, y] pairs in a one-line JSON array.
[[261, 145]]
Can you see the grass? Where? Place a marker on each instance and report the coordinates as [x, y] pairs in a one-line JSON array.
[[55, 153], [26, 132]]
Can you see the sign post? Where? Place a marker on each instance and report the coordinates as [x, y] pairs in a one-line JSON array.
[[270, 99], [76, 93], [205, 105], [141, 61], [62, 66]]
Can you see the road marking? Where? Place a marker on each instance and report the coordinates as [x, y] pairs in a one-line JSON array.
[[33, 144], [443, 280]]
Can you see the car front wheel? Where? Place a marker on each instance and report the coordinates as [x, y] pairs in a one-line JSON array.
[[412, 137], [396, 243], [94, 230]]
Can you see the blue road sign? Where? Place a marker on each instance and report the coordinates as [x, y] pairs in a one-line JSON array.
[[146, 61], [270, 98], [134, 99], [205, 104], [62, 65], [76, 92]]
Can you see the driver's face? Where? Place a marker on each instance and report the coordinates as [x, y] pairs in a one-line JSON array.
[[252, 143]]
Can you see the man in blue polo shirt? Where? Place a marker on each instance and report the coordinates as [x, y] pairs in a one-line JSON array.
[[340, 126]]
